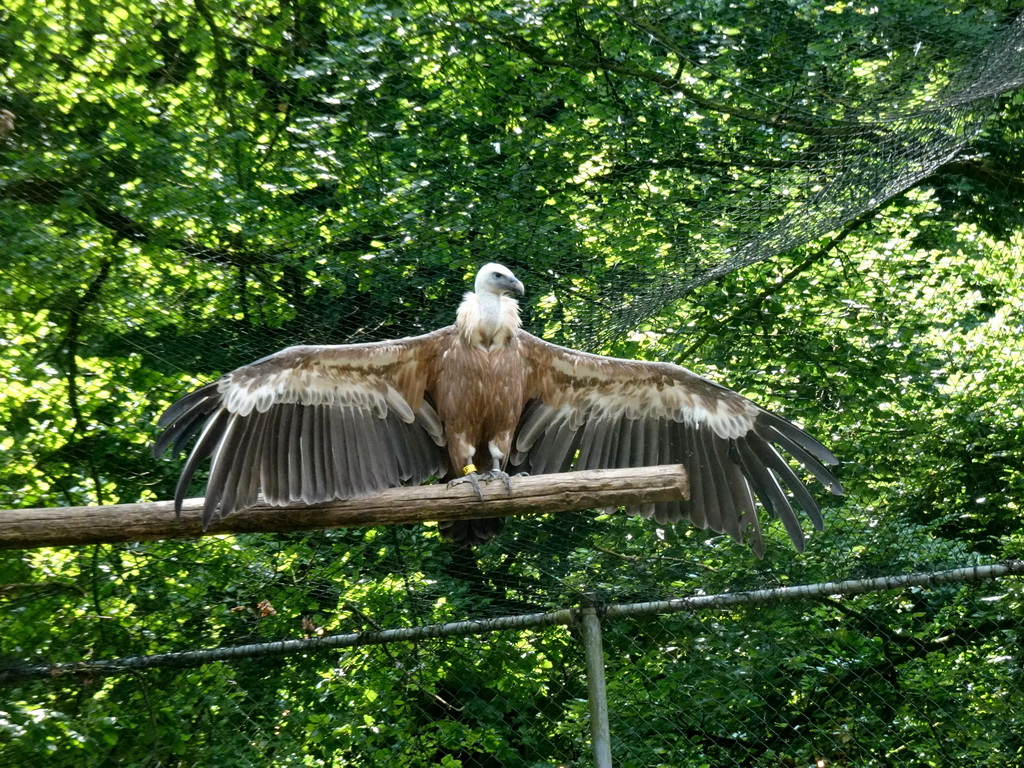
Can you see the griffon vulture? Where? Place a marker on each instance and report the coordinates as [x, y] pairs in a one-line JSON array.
[[315, 423]]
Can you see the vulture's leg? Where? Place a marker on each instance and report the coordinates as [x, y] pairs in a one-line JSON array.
[[462, 452], [473, 532], [494, 473]]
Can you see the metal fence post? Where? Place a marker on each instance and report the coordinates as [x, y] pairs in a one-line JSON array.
[[600, 736]]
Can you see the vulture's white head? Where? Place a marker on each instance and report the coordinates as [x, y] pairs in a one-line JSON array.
[[490, 316], [497, 280]]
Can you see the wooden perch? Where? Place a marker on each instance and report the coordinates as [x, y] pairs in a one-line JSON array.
[[147, 521]]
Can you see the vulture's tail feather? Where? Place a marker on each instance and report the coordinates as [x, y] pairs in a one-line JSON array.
[[470, 533]]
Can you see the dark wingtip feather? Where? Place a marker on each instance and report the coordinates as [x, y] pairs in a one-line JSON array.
[[768, 490], [798, 436], [185, 417], [187, 403], [771, 459], [809, 452], [753, 537], [204, 448]]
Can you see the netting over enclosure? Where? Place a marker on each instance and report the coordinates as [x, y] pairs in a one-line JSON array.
[[820, 205]]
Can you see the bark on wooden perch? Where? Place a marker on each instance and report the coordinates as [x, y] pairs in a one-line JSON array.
[[148, 521]]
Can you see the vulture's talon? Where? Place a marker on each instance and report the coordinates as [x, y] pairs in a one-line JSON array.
[[497, 474], [473, 479]]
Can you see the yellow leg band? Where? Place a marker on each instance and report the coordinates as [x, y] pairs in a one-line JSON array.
[[469, 468]]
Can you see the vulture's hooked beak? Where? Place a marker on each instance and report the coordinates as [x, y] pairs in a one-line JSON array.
[[516, 287]]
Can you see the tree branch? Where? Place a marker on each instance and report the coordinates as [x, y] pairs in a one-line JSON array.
[[220, 59], [668, 83], [51, 191], [985, 172], [69, 348], [591, 489]]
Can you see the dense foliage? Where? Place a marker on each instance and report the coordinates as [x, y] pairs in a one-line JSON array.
[[819, 204]]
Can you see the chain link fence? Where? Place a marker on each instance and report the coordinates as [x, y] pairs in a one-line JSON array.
[[818, 204], [923, 668]]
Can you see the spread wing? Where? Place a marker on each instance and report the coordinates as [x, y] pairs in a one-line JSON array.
[[591, 412], [311, 424]]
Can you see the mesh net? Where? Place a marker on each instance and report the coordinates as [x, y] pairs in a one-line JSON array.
[[818, 204]]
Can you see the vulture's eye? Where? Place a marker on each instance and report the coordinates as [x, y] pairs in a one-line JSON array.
[[497, 274]]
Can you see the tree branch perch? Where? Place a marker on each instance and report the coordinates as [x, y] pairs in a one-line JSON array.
[[148, 521]]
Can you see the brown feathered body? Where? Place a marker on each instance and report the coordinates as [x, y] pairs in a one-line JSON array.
[[315, 423], [481, 382]]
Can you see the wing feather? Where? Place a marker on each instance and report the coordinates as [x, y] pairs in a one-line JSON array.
[[211, 435], [312, 424], [771, 458], [625, 413], [425, 459], [293, 452], [770, 492], [711, 478], [563, 445], [359, 464], [422, 455], [589, 443], [651, 455], [237, 486], [274, 464], [801, 451], [186, 417], [665, 511], [675, 440], [535, 420], [652, 433], [308, 453], [382, 466], [699, 504], [610, 442], [630, 439], [797, 436], [400, 441], [223, 458]]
